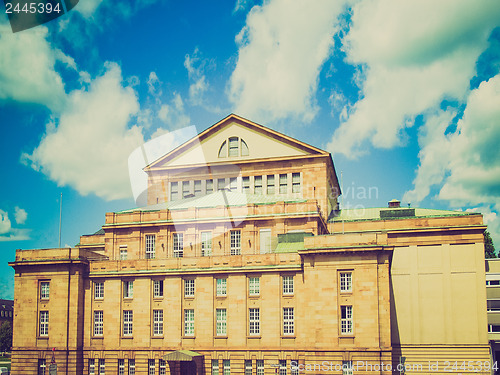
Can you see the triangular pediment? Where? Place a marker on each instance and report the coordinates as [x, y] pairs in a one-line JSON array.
[[254, 142]]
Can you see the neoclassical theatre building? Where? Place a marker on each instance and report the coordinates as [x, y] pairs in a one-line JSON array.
[[242, 263]]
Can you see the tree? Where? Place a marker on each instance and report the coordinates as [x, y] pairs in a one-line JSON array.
[[489, 248], [5, 337]]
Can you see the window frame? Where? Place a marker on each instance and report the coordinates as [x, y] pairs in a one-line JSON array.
[[99, 290], [150, 246], [270, 184], [189, 322], [259, 364], [257, 185], [296, 183], [254, 290], [265, 243], [151, 367], [283, 183], [128, 323], [346, 320], [235, 242], [157, 322], [254, 321], [43, 323], [345, 280], [288, 287], [288, 321], [121, 366], [123, 252], [206, 243], [178, 244], [45, 289], [102, 366], [221, 322], [158, 288], [98, 323], [189, 288], [128, 289], [221, 287], [42, 366]]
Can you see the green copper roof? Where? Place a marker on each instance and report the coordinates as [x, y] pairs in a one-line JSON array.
[[374, 213]]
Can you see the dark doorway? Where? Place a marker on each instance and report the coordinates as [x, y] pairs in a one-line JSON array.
[[188, 368]]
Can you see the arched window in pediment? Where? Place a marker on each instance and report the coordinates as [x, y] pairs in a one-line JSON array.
[[233, 147]]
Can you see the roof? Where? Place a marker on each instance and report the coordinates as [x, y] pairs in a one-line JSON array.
[[181, 355], [374, 213], [219, 198]]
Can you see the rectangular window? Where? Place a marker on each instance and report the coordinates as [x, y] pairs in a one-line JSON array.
[[151, 367], [248, 367], [254, 286], [221, 287], [44, 290], [283, 183], [91, 366], [221, 322], [197, 188], [150, 246], [189, 322], [131, 367], [157, 322], [270, 184], [294, 367], [232, 184], [347, 368], [215, 367], [127, 322], [44, 323], [346, 281], [163, 367], [121, 367], [246, 184], [189, 288], [260, 367], [128, 289], [288, 321], [99, 290], [209, 186], [227, 367], [257, 185], [98, 323], [206, 244], [178, 245], [221, 183], [102, 366], [174, 191], [282, 363], [265, 241], [287, 285], [123, 252], [233, 146], [254, 321], [295, 182], [186, 191], [235, 242], [346, 319], [42, 365], [157, 288]]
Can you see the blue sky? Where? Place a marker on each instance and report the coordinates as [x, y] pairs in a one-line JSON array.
[[405, 95]]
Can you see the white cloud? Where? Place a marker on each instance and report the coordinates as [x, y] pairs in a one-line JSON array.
[[20, 215], [173, 114], [414, 55], [196, 66], [7, 232], [27, 72], [281, 51], [88, 146]]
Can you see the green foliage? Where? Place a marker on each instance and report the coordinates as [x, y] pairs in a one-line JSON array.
[[5, 337], [489, 248]]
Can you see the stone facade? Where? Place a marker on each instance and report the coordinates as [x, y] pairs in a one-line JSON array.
[[254, 274]]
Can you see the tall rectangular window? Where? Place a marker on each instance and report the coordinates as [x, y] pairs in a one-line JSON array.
[[102, 366], [346, 319], [209, 186], [44, 323], [235, 242], [254, 286], [215, 367], [178, 245], [227, 366], [128, 289], [206, 244], [282, 364], [295, 182], [91, 366], [248, 367], [287, 285], [174, 191], [42, 366], [157, 322], [265, 241], [288, 321], [44, 290], [150, 246], [186, 191], [123, 252], [121, 366], [197, 188], [232, 184], [294, 367], [254, 321], [246, 184], [151, 367], [257, 185], [346, 282], [283, 183], [221, 287], [157, 288], [128, 319], [221, 183], [131, 367], [221, 322], [189, 288], [163, 367], [270, 184], [99, 290], [98, 323], [260, 367], [189, 322], [347, 368]]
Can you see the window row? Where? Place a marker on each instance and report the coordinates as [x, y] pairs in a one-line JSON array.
[[6, 314], [99, 367], [271, 184]]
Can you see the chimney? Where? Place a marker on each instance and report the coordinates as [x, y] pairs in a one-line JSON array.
[[394, 203]]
